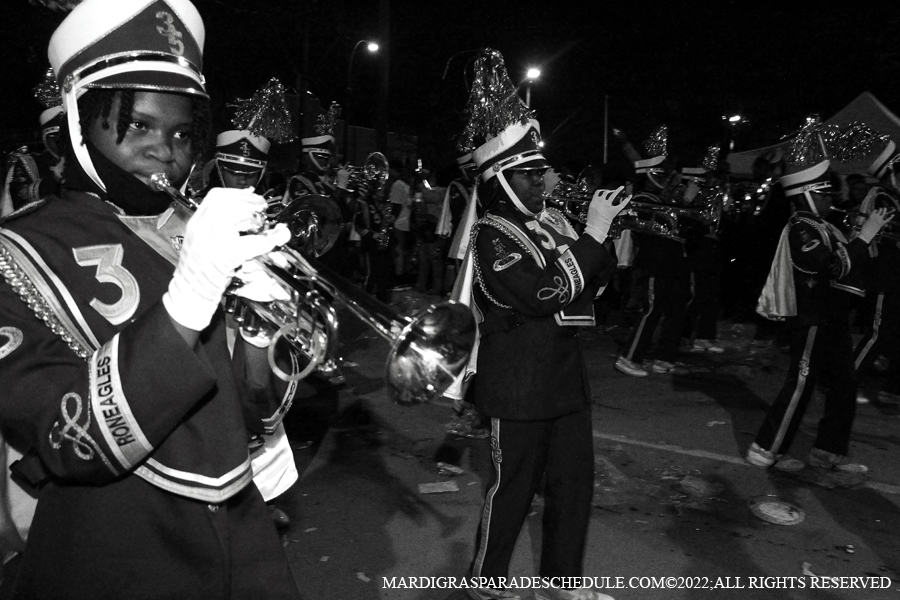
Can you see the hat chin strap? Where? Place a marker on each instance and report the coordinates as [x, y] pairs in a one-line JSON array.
[[222, 179], [315, 161], [812, 205], [70, 102], [513, 196], [75, 134]]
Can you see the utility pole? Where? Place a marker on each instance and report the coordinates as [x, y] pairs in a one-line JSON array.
[[381, 119]]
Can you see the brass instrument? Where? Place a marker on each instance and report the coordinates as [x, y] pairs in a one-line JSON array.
[[878, 197], [427, 351], [371, 176], [572, 199], [646, 213]]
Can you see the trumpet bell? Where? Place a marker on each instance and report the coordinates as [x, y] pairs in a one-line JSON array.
[[429, 353], [315, 223]]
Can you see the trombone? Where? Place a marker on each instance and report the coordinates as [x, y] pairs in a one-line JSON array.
[[428, 349]]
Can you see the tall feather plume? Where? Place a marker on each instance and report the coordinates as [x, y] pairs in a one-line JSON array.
[[326, 121], [494, 103], [711, 159], [657, 143], [857, 140], [47, 91], [266, 114], [810, 144]]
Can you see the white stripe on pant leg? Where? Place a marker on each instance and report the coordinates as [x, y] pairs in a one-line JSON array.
[[876, 325], [488, 500], [798, 390], [640, 329]]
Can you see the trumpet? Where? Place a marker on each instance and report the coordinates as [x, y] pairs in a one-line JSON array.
[[371, 176], [878, 197], [427, 350], [646, 213]]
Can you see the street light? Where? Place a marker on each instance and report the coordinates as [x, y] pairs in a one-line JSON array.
[[372, 47], [733, 122], [530, 76]]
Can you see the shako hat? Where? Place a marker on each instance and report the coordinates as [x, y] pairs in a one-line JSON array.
[[151, 45], [500, 128], [323, 142], [465, 161], [656, 148], [807, 163], [809, 179], [242, 150], [649, 165], [694, 174]]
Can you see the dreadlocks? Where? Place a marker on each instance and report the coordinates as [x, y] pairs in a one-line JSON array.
[[97, 103]]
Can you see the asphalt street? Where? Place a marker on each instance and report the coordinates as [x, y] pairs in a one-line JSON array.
[[677, 512]]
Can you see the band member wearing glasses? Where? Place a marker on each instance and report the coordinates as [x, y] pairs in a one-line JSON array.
[[534, 280], [123, 397]]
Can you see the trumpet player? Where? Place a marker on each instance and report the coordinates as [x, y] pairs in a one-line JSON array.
[[660, 264], [883, 286], [815, 272], [125, 398], [317, 177], [240, 163], [534, 282]]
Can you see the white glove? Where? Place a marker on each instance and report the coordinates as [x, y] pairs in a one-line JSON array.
[[343, 178], [877, 219], [213, 248], [258, 284], [605, 205]]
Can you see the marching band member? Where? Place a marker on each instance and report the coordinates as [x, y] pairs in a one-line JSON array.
[[30, 177], [881, 333], [704, 260], [124, 399], [662, 262], [814, 273], [317, 178], [534, 283], [240, 163]]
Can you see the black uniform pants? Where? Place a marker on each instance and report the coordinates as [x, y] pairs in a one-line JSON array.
[[881, 337], [667, 295], [559, 450], [702, 319], [819, 354]]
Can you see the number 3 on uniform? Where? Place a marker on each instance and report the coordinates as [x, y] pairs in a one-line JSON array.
[[108, 260]]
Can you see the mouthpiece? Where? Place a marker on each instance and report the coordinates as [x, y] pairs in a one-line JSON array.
[[160, 183]]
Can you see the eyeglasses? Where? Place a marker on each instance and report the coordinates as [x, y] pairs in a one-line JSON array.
[[539, 173], [239, 173]]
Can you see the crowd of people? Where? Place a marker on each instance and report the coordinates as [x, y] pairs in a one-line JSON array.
[[143, 424]]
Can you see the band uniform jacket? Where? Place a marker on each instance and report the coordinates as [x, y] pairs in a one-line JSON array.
[[535, 283], [827, 269], [138, 432]]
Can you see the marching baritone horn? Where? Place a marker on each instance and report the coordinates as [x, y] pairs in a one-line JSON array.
[[371, 176], [427, 350]]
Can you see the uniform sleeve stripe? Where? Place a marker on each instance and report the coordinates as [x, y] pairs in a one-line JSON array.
[[115, 419], [192, 485], [572, 270], [36, 269]]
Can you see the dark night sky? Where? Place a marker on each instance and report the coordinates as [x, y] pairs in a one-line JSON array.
[[684, 66]]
